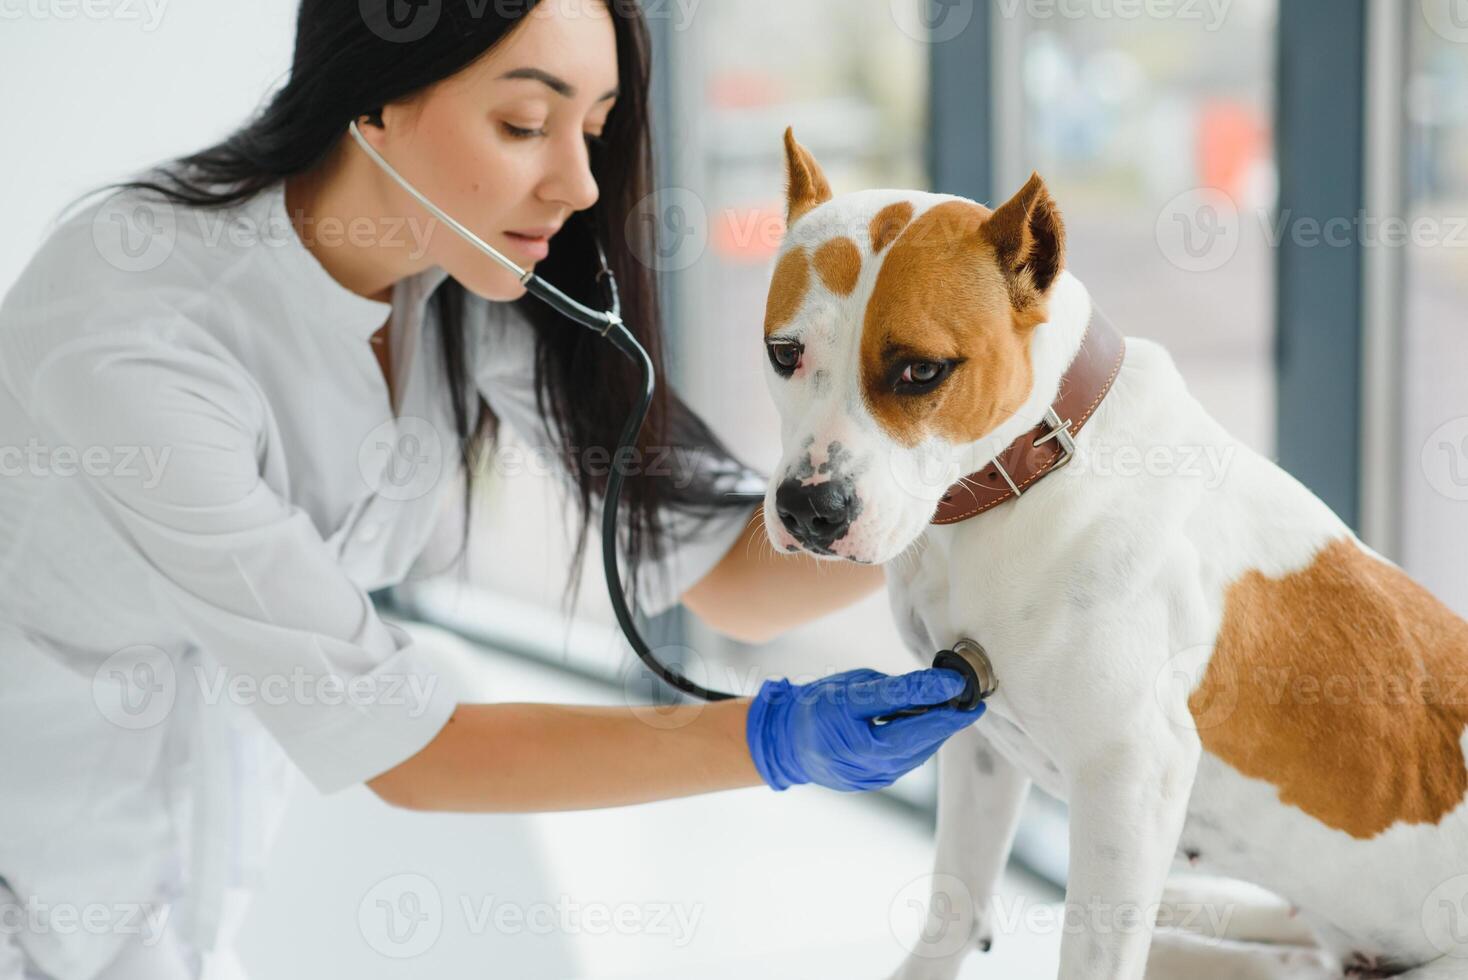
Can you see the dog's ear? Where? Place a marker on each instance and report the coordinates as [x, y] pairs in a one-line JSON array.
[[805, 183], [1029, 239]]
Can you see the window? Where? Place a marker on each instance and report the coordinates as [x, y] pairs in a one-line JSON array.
[[1435, 354], [1155, 136]]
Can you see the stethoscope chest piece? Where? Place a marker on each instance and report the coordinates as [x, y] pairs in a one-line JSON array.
[[968, 658]]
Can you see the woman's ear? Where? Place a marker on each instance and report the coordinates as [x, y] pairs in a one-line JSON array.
[[805, 183]]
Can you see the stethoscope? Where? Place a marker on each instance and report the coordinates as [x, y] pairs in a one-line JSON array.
[[966, 657]]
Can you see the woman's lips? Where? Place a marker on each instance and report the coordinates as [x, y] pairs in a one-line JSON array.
[[535, 246]]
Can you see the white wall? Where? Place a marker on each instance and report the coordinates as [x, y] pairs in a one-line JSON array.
[[95, 89]]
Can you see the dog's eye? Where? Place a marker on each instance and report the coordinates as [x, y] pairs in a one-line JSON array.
[[920, 377], [784, 356]]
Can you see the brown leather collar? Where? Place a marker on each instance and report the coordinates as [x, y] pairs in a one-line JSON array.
[[1049, 445]]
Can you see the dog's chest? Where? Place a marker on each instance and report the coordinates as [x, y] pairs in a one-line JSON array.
[[921, 608]]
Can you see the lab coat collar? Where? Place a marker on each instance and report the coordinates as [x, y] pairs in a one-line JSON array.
[[320, 291]]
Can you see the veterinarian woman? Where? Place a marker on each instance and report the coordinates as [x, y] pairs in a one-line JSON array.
[[221, 436]]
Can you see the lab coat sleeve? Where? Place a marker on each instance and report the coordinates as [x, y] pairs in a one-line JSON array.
[[347, 695], [503, 351]]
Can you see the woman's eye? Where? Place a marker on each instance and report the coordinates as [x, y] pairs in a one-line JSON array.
[[519, 132], [593, 140], [785, 356]]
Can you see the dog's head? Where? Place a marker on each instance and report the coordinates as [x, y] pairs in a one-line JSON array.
[[898, 333]]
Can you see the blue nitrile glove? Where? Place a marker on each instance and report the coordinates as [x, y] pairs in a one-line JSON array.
[[822, 732]]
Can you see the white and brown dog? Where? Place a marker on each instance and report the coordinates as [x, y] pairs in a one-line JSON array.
[[1204, 662]]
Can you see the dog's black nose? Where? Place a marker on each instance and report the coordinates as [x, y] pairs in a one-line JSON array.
[[817, 514]]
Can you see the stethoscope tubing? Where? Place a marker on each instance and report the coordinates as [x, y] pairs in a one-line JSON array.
[[608, 324]]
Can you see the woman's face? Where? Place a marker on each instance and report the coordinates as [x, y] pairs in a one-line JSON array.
[[502, 145]]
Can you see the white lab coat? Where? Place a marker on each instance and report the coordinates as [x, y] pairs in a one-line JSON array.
[[281, 488]]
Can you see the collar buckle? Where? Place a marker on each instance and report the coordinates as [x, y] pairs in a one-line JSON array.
[[1060, 432]]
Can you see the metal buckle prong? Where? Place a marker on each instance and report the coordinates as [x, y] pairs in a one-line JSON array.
[[1059, 431]]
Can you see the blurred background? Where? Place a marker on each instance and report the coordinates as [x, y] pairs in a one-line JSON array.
[[1275, 189]]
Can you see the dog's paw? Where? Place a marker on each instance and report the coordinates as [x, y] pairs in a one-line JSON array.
[[946, 967], [1367, 966]]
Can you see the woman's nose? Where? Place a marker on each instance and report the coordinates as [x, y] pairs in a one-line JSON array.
[[570, 180]]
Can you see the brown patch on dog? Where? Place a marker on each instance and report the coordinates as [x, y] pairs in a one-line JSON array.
[[806, 186], [839, 263], [1347, 681], [888, 224], [940, 293], [787, 289]]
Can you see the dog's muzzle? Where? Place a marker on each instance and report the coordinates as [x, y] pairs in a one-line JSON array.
[[817, 515]]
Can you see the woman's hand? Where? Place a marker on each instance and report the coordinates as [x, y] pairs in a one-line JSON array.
[[519, 758], [823, 732]]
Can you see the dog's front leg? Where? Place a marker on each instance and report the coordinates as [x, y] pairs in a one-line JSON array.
[[980, 796], [1127, 806]]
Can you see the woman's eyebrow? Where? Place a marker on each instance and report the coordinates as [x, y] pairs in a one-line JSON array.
[[558, 85]]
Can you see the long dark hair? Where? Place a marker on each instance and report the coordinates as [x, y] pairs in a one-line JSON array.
[[350, 59]]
